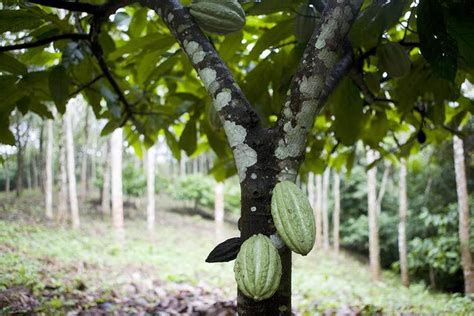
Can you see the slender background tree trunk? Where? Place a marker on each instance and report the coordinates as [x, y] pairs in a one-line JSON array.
[[63, 209], [311, 191], [374, 247], [116, 183], [463, 206], [337, 210], [219, 202], [325, 207], [48, 172], [150, 184], [106, 182], [318, 211], [402, 235], [71, 171], [84, 178], [19, 159]]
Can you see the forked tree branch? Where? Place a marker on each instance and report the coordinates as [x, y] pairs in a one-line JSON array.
[[104, 9], [312, 83], [45, 41], [238, 117]]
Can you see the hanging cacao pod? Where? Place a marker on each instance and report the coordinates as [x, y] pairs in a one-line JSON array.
[[258, 268], [218, 16], [293, 217]]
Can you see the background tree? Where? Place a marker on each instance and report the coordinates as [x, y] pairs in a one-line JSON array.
[[403, 210], [48, 186], [71, 169], [116, 143], [390, 86], [463, 205], [150, 184], [374, 247]]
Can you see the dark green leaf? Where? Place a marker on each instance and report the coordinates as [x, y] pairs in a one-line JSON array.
[[9, 64], [436, 45], [188, 139], [59, 87]]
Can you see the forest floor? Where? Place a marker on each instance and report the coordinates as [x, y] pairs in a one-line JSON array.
[[47, 268]]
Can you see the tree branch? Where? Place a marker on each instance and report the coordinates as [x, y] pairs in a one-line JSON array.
[[85, 86], [310, 87], [104, 9], [45, 41], [239, 119], [71, 6]]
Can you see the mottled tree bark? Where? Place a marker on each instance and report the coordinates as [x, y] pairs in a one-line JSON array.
[[116, 183], [48, 172], [337, 211], [374, 247], [402, 235], [325, 211], [463, 207], [71, 171], [150, 185], [265, 156]]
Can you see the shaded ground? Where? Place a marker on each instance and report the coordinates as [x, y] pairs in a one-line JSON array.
[[47, 269]]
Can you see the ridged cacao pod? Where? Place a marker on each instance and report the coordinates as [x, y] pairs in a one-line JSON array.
[[306, 21], [393, 59], [293, 217], [218, 16], [258, 268]]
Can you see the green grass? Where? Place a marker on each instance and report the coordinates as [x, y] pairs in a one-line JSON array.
[[38, 256]]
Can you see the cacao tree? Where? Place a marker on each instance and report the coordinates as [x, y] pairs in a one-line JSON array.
[[267, 99]]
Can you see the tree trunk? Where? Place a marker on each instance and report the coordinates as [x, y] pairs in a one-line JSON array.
[[256, 219], [182, 164], [318, 211], [19, 160], [7, 179], [116, 183], [403, 211], [337, 210], [63, 195], [28, 173], [84, 183], [106, 182], [311, 191], [325, 213], [374, 247], [383, 187], [34, 172], [463, 207], [150, 184], [48, 172], [219, 202], [71, 171], [265, 156], [40, 161]]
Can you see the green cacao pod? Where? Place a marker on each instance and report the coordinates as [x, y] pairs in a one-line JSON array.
[[218, 16], [258, 268], [393, 59], [293, 217], [306, 20]]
